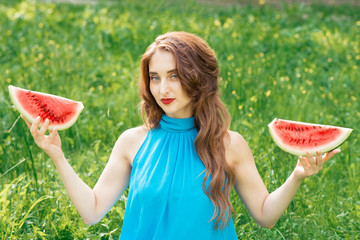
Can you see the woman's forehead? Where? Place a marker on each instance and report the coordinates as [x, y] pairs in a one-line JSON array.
[[162, 61]]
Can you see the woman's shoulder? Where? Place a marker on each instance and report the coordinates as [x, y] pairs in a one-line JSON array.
[[131, 140], [134, 134], [237, 149]]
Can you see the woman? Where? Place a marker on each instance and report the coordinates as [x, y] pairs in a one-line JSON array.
[[182, 163]]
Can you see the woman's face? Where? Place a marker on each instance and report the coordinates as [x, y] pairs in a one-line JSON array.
[[166, 88]]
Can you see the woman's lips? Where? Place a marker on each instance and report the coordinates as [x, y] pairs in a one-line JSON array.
[[167, 100]]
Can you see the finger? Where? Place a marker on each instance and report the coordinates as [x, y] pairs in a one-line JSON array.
[[44, 127], [319, 160], [299, 162], [329, 155], [311, 159], [53, 134], [303, 162], [26, 121], [34, 126]]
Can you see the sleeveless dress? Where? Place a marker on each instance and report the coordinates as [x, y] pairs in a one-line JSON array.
[[166, 199]]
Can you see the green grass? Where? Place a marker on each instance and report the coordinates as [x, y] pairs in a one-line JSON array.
[[294, 62]]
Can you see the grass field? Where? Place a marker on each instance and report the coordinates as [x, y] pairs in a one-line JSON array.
[[292, 61]]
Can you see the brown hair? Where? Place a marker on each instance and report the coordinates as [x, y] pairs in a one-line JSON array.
[[198, 71]]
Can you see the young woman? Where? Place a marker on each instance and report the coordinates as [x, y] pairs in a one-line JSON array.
[[182, 163]]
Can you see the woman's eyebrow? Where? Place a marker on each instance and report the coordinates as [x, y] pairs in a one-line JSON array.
[[170, 71]]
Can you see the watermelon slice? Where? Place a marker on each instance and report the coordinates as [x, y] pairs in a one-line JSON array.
[[61, 112], [299, 138]]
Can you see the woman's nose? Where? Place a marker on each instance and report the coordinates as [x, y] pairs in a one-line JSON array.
[[164, 86]]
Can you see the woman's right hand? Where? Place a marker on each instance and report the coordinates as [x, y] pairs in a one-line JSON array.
[[50, 144]]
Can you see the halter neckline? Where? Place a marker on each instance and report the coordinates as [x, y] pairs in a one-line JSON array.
[[177, 124]]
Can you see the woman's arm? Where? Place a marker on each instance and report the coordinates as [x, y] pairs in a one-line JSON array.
[[267, 208], [92, 204]]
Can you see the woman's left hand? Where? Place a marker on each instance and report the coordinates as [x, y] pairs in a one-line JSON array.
[[310, 165]]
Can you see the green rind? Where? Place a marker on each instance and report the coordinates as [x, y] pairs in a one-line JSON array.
[[31, 119], [341, 140]]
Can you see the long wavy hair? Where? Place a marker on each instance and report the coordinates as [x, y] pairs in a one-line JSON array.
[[198, 71]]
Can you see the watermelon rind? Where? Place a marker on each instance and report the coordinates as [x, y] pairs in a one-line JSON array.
[[31, 119], [345, 133]]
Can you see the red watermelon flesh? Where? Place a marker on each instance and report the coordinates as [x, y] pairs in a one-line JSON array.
[[299, 138], [61, 112]]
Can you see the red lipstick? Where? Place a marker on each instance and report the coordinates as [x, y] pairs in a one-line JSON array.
[[167, 100]]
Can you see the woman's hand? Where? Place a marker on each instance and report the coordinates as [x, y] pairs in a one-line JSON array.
[[311, 165], [50, 144]]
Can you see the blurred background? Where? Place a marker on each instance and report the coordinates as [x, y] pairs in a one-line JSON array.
[[297, 60]]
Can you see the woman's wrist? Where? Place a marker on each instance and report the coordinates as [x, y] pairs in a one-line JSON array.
[[57, 157], [296, 177]]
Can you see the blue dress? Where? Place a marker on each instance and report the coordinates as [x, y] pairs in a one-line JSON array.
[[166, 199]]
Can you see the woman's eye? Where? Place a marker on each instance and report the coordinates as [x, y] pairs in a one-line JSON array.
[[154, 78], [174, 76]]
